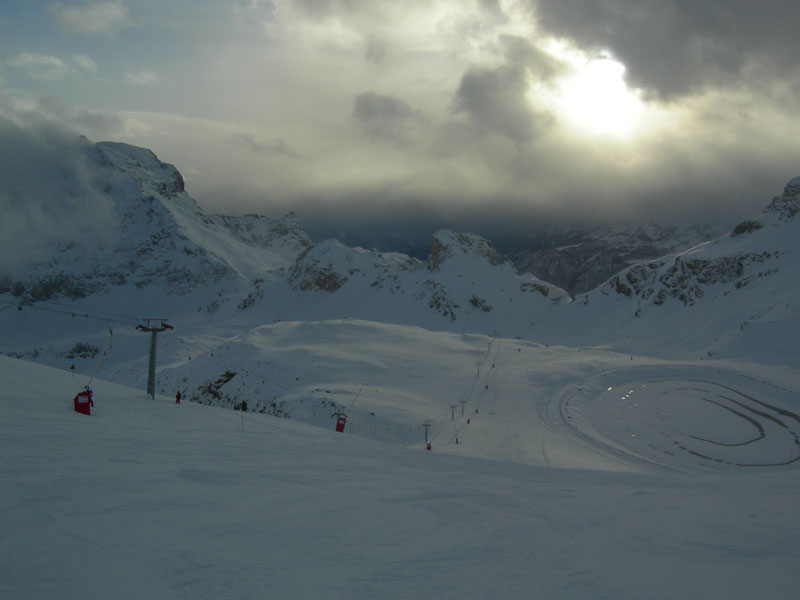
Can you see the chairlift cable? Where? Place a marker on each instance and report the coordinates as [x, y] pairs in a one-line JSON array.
[[99, 313], [72, 313], [354, 400]]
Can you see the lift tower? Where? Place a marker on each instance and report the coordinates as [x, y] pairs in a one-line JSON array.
[[154, 330]]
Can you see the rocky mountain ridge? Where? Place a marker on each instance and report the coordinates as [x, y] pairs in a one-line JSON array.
[[688, 275], [581, 257], [736, 296]]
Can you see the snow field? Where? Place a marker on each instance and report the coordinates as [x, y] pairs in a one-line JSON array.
[[149, 499], [500, 399]]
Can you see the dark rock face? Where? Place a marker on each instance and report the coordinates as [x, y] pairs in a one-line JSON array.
[[265, 232], [307, 275], [787, 205], [746, 227], [447, 244], [579, 260], [686, 279]]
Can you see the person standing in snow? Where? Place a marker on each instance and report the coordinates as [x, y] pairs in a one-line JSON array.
[[178, 397]]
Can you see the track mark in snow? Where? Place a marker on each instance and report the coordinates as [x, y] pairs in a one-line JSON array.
[[706, 423], [755, 424]]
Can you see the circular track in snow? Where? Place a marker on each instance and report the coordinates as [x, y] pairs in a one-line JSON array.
[[687, 417]]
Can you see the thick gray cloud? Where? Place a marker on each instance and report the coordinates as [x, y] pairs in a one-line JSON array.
[[276, 146], [521, 53], [385, 116], [46, 193], [677, 47], [495, 100], [375, 50], [96, 124]]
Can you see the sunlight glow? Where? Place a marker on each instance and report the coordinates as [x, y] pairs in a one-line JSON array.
[[592, 98], [596, 99]]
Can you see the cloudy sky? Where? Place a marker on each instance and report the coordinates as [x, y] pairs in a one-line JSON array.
[[492, 108]]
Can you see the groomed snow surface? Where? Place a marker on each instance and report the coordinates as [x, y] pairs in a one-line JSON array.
[[572, 473]]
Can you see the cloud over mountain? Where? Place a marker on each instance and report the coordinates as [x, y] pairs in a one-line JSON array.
[[47, 193]]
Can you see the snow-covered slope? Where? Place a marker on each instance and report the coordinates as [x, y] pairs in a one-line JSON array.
[[146, 498]]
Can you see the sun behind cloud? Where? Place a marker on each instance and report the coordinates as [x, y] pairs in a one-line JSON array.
[[592, 98], [596, 100]]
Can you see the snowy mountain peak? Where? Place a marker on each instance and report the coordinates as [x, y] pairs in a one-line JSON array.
[[155, 234], [155, 176], [446, 244]]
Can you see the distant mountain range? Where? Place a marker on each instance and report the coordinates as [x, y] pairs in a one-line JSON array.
[[162, 240]]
